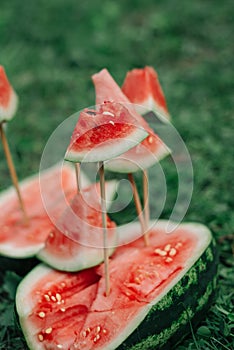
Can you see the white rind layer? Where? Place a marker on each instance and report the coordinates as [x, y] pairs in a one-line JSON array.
[[125, 164], [150, 105], [7, 114], [84, 259], [108, 149]]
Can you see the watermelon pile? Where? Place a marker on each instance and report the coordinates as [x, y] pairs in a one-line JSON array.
[[156, 290]]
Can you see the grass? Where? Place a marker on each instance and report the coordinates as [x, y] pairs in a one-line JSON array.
[[51, 48]]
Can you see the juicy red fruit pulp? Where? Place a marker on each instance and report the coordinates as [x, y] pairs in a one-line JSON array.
[[109, 121], [15, 234], [101, 134], [77, 302], [5, 89]]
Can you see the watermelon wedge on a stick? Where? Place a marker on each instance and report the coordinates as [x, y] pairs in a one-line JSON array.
[[8, 98], [100, 135], [8, 106], [142, 87], [144, 155], [103, 134]]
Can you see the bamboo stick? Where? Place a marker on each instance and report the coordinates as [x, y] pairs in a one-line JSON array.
[[104, 223], [139, 209], [146, 198], [77, 169], [13, 172]]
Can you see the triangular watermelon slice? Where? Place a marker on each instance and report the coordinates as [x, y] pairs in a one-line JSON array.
[[145, 154], [76, 242], [142, 87], [8, 98], [104, 133]]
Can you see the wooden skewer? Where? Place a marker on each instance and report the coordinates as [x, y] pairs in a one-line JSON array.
[[146, 197], [104, 224], [77, 169], [139, 209], [13, 172]]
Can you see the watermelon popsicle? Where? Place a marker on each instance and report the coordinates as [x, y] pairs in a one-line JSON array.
[[8, 106], [104, 134], [8, 98], [144, 155], [142, 87], [100, 135]]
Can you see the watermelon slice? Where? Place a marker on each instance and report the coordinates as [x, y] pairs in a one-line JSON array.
[[104, 133], [146, 153], [46, 198], [142, 87], [20, 240], [76, 241], [8, 98], [153, 290]]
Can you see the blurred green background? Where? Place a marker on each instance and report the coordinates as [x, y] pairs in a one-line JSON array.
[[51, 48]]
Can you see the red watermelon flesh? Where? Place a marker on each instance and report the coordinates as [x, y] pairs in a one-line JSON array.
[[145, 154], [142, 87], [8, 98], [46, 198], [77, 240], [104, 133], [107, 89], [49, 302], [18, 239]]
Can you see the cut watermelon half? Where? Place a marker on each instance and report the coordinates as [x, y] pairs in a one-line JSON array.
[[153, 290], [104, 133], [146, 153], [77, 240], [8, 98], [142, 87]]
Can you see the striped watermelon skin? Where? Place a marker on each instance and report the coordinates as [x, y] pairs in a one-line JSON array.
[[168, 322]]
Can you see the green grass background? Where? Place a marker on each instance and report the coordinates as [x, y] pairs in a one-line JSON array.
[[50, 48]]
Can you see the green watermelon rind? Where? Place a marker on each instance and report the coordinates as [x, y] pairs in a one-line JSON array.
[[204, 254], [108, 149], [166, 319], [186, 302]]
